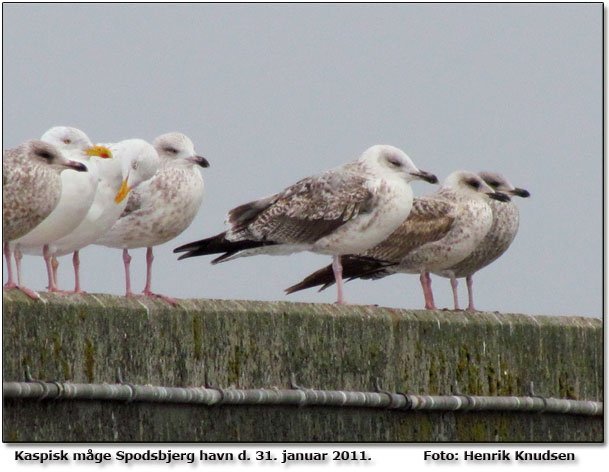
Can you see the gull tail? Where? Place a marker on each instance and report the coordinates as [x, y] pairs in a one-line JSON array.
[[218, 244], [354, 267]]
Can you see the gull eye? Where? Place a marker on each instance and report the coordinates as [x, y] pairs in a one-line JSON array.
[[170, 150], [134, 165], [67, 141], [473, 183], [44, 154], [394, 162]]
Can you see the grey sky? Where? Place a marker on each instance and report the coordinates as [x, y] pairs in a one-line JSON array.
[[273, 93]]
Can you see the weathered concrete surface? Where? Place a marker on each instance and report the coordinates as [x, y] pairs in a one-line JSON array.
[[250, 344]]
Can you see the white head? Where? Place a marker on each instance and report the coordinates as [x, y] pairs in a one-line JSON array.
[[500, 184], [470, 184], [177, 149], [394, 160], [66, 138], [139, 162], [47, 154]]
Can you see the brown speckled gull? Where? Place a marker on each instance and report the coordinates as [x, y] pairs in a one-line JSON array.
[[441, 230], [497, 240], [161, 208], [31, 188], [344, 210], [77, 192]]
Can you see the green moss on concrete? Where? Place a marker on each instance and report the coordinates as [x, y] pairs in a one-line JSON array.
[[89, 360], [252, 344]]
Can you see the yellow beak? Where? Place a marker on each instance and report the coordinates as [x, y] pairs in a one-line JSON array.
[[99, 151], [123, 192]]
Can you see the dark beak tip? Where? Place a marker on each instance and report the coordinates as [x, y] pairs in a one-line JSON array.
[[427, 177], [502, 197], [202, 161], [78, 166]]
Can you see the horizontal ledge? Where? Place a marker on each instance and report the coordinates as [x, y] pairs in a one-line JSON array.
[[40, 390]]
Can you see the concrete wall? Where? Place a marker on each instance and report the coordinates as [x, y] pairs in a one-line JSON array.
[[250, 344]]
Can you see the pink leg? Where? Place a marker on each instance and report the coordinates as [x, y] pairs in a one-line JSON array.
[[127, 261], [30, 293], [54, 267], [18, 257], [10, 283], [147, 292], [432, 304], [454, 284], [149, 259], [47, 260], [76, 264], [338, 277], [425, 279], [470, 293]]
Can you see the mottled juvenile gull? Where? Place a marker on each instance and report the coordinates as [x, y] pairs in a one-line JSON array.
[[497, 240], [341, 211], [77, 192], [162, 207], [31, 189], [441, 230], [134, 161]]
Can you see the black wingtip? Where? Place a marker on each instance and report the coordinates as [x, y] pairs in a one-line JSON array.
[[211, 245], [187, 255], [323, 277], [218, 244]]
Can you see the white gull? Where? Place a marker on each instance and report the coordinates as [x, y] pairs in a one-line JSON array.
[[133, 162]]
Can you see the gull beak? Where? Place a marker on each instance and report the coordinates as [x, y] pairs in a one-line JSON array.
[[502, 197], [198, 160], [99, 151], [75, 165], [123, 192], [520, 192], [426, 176]]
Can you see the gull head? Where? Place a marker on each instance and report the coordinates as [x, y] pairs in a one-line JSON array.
[[178, 148], [67, 138], [500, 184], [139, 162], [470, 184], [47, 154], [390, 159]]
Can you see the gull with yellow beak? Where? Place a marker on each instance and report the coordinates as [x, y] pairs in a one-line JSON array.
[[134, 161], [77, 193]]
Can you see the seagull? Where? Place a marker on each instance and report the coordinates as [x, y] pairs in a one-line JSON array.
[[162, 207], [497, 240], [31, 190], [77, 193], [441, 230], [134, 161], [342, 211]]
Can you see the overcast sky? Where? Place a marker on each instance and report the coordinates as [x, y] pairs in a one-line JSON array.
[[274, 93]]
